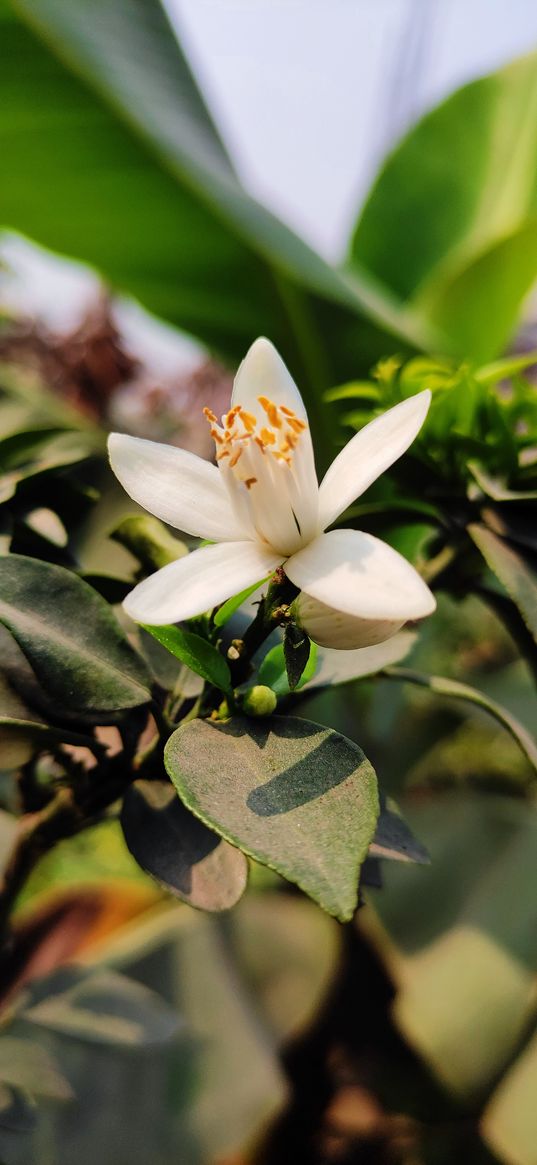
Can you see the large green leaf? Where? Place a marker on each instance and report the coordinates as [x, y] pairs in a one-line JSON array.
[[451, 222], [110, 155], [297, 797], [71, 638]]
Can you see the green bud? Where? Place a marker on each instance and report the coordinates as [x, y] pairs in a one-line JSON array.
[[260, 701]]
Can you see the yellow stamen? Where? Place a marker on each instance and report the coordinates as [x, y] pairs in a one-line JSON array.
[[249, 422], [233, 460], [210, 416], [267, 437], [271, 411]]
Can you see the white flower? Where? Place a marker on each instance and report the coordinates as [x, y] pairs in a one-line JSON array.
[[262, 506]]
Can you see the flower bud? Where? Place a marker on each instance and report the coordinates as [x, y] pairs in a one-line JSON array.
[[331, 628], [259, 701]]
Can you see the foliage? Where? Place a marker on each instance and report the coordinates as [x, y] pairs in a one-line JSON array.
[[197, 748]]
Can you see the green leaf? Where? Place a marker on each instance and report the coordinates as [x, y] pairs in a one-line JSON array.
[[299, 798], [70, 637], [149, 541], [443, 686], [111, 94], [25, 1064], [296, 650], [515, 571], [228, 608], [101, 1007], [451, 222], [199, 655], [178, 850], [505, 368]]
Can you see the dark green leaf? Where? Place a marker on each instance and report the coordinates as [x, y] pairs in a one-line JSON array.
[[273, 671], [70, 637], [199, 655], [515, 571], [178, 850], [296, 650], [101, 1007], [297, 797], [394, 838]]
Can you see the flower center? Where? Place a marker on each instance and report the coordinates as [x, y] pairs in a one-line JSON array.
[[260, 459], [277, 435]]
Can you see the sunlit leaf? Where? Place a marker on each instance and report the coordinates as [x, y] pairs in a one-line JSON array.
[[199, 655], [451, 222], [297, 797]]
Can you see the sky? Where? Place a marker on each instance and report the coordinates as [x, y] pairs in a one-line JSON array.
[[308, 95]]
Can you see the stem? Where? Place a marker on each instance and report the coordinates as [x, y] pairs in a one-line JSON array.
[[271, 612]]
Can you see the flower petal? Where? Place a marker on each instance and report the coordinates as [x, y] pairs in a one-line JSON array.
[[176, 486], [332, 628], [369, 454], [263, 373], [201, 580], [357, 573], [338, 667]]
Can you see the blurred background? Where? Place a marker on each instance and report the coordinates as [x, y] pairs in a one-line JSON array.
[[137, 265]]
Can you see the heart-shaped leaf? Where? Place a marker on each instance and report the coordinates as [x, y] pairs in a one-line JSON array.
[[178, 850], [298, 797], [70, 637]]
